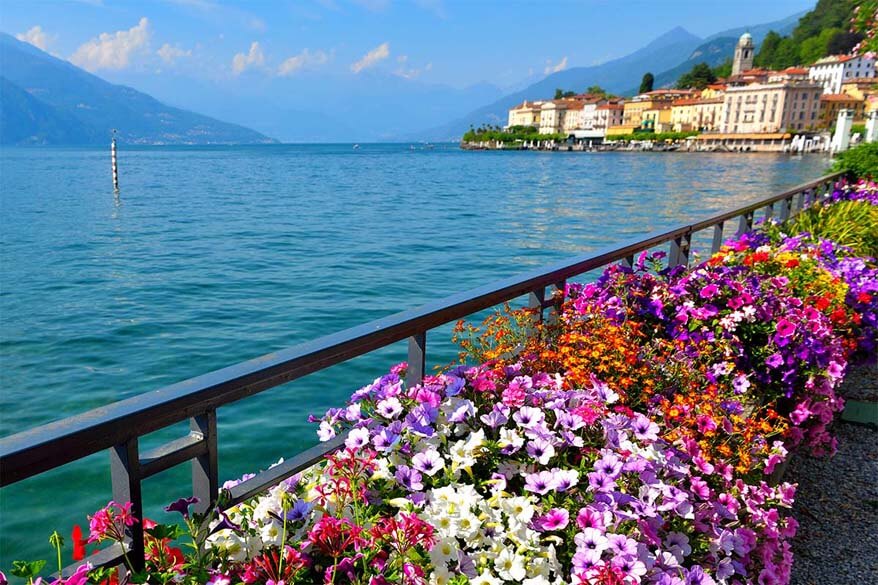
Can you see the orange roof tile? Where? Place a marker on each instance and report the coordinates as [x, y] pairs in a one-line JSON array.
[[838, 97]]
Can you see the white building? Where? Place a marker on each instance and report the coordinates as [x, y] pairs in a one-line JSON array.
[[783, 105], [608, 115], [832, 72]]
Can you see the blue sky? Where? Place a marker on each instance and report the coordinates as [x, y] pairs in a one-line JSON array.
[[435, 41], [333, 70]]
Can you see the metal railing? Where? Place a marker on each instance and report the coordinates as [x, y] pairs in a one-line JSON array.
[[118, 427]]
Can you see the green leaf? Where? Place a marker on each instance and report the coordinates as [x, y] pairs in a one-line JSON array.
[[162, 531], [27, 569]]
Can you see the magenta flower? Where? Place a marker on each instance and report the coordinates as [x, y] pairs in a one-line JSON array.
[[554, 519], [785, 328], [709, 291]]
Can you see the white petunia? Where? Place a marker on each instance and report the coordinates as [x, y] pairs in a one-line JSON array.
[[510, 566]]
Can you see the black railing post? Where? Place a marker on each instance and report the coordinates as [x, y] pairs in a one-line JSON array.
[[417, 359], [800, 203], [629, 261], [536, 299], [746, 223], [717, 238], [769, 212], [786, 206], [125, 474], [205, 473], [679, 251], [561, 289]]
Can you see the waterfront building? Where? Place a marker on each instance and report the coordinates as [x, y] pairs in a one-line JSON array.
[[608, 115], [657, 118], [831, 72], [573, 116], [525, 114], [782, 105], [744, 53], [864, 88], [590, 111], [832, 103], [632, 114], [748, 77], [700, 114]]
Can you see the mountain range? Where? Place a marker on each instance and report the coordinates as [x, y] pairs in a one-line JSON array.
[[46, 100], [667, 57]]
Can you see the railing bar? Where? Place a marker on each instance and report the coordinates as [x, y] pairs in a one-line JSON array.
[[36, 450], [170, 454], [108, 557], [278, 473]]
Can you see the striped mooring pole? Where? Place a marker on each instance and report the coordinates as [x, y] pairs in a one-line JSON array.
[[113, 162]]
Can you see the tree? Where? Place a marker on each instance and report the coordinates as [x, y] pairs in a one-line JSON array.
[[816, 47], [768, 50], [699, 77], [843, 42], [596, 90], [646, 83], [560, 93], [724, 69]]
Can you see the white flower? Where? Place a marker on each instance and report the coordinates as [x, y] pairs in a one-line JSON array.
[[486, 578], [389, 407], [444, 551], [510, 566], [271, 532], [357, 438], [510, 438]]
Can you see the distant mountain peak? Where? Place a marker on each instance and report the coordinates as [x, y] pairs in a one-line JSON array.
[[676, 35]]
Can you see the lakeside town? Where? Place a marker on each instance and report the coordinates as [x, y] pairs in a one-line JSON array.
[[823, 107]]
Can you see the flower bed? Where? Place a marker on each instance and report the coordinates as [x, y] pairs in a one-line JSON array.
[[630, 440]]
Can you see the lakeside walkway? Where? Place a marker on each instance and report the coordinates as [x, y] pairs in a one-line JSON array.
[[837, 500]]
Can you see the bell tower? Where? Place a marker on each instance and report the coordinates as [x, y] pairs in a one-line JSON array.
[[744, 53]]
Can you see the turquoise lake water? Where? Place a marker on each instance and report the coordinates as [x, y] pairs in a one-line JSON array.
[[214, 255]]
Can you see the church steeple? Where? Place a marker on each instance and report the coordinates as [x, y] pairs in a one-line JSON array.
[[744, 53]]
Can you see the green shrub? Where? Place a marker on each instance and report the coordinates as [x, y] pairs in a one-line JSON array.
[[849, 223], [862, 161]]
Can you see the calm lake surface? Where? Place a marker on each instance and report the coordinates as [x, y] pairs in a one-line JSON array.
[[211, 256]]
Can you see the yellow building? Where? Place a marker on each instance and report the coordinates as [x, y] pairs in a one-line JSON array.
[[657, 118], [700, 114], [864, 88], [633, 113], [832, 103], [525, 114]]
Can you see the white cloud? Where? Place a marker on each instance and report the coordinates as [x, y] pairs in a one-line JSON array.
[[560, 66], [254, 58], [37, 37], [304, 59], [112, 50], [371, 58], [170, 54], [413, 72]]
